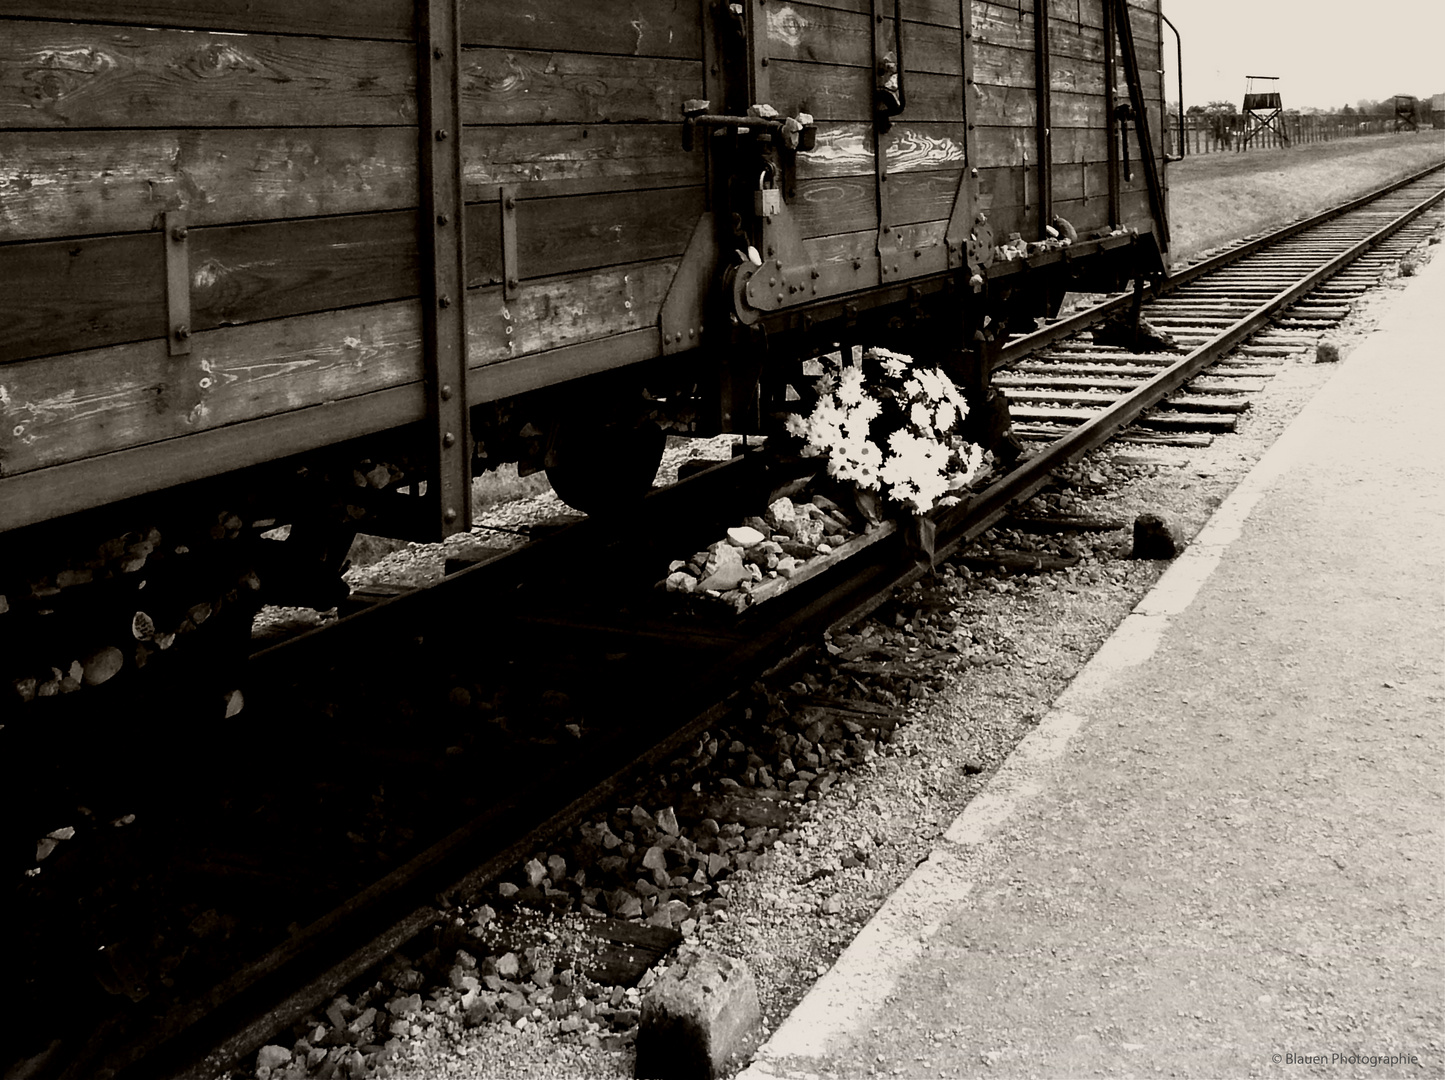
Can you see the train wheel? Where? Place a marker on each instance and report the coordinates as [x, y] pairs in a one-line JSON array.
[[604, 468]]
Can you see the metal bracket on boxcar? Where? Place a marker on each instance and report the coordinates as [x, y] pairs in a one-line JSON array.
[[684, 308], [789, 132], [1123, 113], [980, 250], [178, 282], [785, 278], [889, 94], [777, 284], [906, 251]]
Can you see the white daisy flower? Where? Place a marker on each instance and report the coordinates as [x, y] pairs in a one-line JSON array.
[[850, 387]]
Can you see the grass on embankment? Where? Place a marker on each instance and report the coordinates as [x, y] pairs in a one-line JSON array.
[[1216, 198]]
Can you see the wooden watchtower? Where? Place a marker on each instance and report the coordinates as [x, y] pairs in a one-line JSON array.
[[1263, 108], [1406, 108]]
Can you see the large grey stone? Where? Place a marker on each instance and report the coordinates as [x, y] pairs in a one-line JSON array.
[[725, 570], [1155, 538], [699, 1014]]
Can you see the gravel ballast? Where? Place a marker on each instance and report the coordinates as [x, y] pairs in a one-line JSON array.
[[981, 670]]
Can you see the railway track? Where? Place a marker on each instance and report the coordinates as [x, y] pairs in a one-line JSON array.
[[1229, 302], [1234, 316]]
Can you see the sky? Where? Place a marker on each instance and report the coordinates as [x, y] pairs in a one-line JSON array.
[[1326, 53]]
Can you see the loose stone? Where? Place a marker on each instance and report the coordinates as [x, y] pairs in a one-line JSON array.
[[696, 1017]]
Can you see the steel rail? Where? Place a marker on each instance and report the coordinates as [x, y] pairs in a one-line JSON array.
[[1021, 347], [232, 1015], [980, 512]]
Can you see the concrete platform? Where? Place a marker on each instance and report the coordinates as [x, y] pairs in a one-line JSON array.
[[1222, 854]]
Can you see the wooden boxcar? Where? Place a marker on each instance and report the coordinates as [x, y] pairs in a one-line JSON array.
[[281, 261]]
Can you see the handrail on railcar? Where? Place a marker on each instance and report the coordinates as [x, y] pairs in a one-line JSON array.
[[1179, 70]]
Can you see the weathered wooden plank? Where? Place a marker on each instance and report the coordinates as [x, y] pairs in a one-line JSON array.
[[996, 147], [68, 295], [827, 92], [501, 86], [42, 494], [1091, 13], [825, 35], [1091, 10], [1005, 204], [1000, 189], [554, 312], [88, 182], [1134, 208], [65, 408], [933, 49], [1092, 213], [914, 147], [846, 261], [1003, 65], [832, 92], [63, 296], [568, 159], [923, 147], [508, 378], [849, 261], [1084, 215], [1080, 144], [1003, 27], [563, 235], [665, 28], [820, 35], [841, 150], [1007, 106], [64, 75], [922, 196], [246, 273], [936, 12], [997, 27], [849, 203], [835, 204], [1077, 41], [1000, 65], [1075, 75], [557, 236], [1075, 182], [1144, 14], [847, 149], [384, 19], [1006, 147], [1002, 194]]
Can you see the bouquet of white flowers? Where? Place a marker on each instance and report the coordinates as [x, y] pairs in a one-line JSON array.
[[889, 426]]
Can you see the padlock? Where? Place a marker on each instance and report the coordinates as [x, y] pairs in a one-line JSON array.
[[767, 200]]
